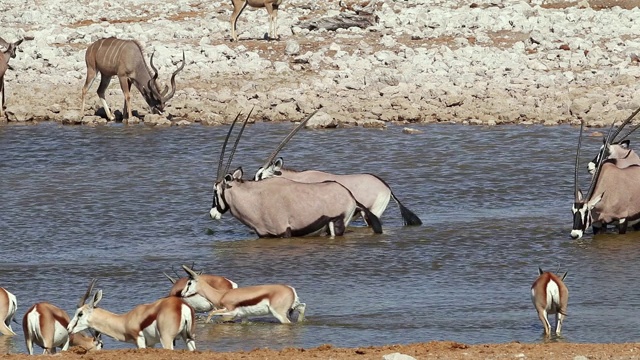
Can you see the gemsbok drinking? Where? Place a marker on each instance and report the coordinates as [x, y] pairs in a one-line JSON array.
[[198, 302], [280, 207], [259, 300], [272, 10], [124, 58], [549, 295], [145, 325], [6, 54], [45, 325], [370, 190], [8, 307]]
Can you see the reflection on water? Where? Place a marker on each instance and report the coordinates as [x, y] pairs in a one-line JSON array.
[[124, 204]]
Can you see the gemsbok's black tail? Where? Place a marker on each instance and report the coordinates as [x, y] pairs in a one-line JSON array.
[[408, 217]]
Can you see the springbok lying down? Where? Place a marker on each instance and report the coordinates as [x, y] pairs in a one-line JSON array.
[[6, 54], [124, 58], [549, 295]]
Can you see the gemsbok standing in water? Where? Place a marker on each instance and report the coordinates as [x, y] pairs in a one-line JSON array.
[[370, 190], [145, 325], [6, 54], [197, 302], [617, 150], [549, 295], [8, 307], [124, 58], [280, 207]]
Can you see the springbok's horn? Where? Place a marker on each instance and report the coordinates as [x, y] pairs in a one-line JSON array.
[[611, 139], [575, 179], [224, 146], [235, 145], [173, 80], [86, 294], [286, 139], [173, 281], [192, 274]]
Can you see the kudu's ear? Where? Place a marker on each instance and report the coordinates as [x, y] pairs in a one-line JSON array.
[[595, 201], [540, 271], [277, 165], [237, 173], [625, 144]]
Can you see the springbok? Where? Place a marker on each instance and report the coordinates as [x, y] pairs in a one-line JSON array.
[[280, 207], [370, 190], [145, 325], [8, 306], [45, 325], [613, 197], [275, 299], [270, 5], [549, 295], [125, 59], [196, 301], [5, 55]]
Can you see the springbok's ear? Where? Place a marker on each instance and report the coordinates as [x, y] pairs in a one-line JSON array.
[[563, 276], [591, 204], [237, 173], [580, 195], [277, 165], [96, 299], [540, 271], [625, 144]]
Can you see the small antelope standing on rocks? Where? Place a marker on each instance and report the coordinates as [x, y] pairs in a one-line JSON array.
[[270, 5], [45, 325], [8, 306], [6, 54], [550, 296], [124, 58], [198, 302]]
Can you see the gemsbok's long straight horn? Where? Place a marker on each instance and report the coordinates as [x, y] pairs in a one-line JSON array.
[[612, 137], [219, 174], [287, 138], [235, 144], [575, 180]]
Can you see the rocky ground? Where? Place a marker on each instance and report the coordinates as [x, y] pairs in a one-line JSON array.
[[478, 62]]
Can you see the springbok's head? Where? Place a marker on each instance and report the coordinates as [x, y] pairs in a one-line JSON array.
[[82, 318], [192, 284], [155, 98], [223, 177]]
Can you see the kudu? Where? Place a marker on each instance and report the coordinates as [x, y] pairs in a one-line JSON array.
[[7, 53], [45, 325], [125, 59], [617, 149], [613, 197], [275, 299], [270, 5], [549, 295], [145, 325], [197, 302], [280, 207], [370, 190], [8, 307]]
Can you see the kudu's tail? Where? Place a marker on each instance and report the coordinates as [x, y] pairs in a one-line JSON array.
[[408, 216], [370, 218]]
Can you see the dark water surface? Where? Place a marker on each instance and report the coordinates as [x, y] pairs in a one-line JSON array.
[[125, 204]]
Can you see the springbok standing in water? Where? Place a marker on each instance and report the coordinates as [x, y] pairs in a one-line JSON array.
[[196, 301], [8, 306], [124, 58], [549, 295], [45, 325], [5, 55], [270, 5]]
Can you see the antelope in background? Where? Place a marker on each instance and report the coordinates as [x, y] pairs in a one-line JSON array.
[[8, 53], [549, 295], [276, 299], [270, 5], [617, 149], [8, 306], [198, 302], [45, 325], [145, 325], [280, 207], [373, 192], [125, 59]]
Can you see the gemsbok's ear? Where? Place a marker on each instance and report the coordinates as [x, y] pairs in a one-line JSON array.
[[580, 195], [277, 165], [237, 173], [625, 144]]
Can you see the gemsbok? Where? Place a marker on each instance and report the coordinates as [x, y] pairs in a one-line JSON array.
[[145, 325], [280, 207], [8, 307], [617, 149], [549, 295], [613, 197], [370, 190], [196, 301], [270, 5], [45, 325], [6, 54], [259, 300], [124, 58]]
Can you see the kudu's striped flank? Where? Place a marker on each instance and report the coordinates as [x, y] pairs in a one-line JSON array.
[[270, 5], [124, 58], [550, 295], [8, 52], [8, 307], [197, 301]]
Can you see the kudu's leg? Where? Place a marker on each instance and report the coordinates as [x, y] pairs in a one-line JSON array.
[[125, 84], [104, 83], [238, 8], [91, 76]]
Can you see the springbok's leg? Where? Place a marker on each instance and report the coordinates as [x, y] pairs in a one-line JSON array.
[[559, 324], [542, 314], [166, 341], [91, 76], [302, 307], [238, 8], [280, 315], [104, 83], [125, 84]]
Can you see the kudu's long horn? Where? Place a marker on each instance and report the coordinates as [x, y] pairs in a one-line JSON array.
[[286, 139], [235, 145], [173, 80], [224, 146], [83, 299], [152, 82], [575, 179]]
